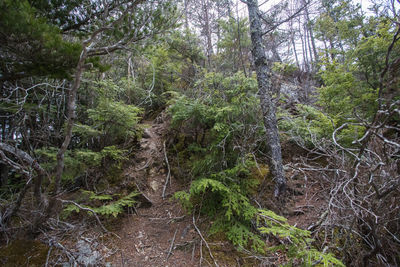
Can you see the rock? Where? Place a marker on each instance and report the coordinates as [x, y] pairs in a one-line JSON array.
[[146, 133], [86, 256], [153, 171], [154, 185]]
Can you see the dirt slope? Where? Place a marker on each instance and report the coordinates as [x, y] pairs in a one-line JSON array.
[[160, 233]]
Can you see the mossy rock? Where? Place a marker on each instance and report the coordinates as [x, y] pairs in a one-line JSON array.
[[24, 253]]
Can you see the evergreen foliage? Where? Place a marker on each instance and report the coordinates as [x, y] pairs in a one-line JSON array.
[[104, 205], [299, 242], [223, 197], [31, 46]]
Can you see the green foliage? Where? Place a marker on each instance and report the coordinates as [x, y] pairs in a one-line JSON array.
[[285, 69], [353, 80], [308, 125], [223, 197], [44, 52], [115, 119], [215, 123], [299, 246], [104, 205], [343, 92], [117, 207], [80, 161], [234, 45], [311, 126]]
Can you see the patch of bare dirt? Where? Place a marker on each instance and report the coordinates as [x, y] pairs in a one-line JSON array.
[[160, 233]]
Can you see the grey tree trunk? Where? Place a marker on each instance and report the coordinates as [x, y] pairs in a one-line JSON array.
[[267, 104], [70, 118], [311, 33], [207, 25]]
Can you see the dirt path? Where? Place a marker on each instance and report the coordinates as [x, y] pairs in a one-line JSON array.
[[159, 234]]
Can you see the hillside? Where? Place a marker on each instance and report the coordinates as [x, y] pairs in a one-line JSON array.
[[199, 133]]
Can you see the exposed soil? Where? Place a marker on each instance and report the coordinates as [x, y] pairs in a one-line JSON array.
[[160, 233]]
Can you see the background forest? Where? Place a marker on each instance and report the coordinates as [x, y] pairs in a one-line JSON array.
[[82, 80]]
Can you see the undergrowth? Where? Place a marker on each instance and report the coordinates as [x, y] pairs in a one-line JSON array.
[[218, 136]]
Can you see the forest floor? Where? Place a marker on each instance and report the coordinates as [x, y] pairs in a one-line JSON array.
[[158, 232]]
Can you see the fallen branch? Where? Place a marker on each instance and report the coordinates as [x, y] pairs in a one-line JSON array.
[[172, 245], [205, 242], [169, 171]]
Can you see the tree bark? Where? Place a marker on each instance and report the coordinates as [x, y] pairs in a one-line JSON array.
[[70, 118], [267, 104], [207, 29], [311, 33]]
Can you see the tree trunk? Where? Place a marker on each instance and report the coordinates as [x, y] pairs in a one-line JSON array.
[[207, 30], [186, 15], [70, 118], [267, 104], [311, 33]]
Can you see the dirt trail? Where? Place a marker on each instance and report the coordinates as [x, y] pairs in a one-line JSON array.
[[159, 234]]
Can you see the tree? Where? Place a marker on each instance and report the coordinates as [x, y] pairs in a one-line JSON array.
[[137, 21], [265, 93], [45, 43]]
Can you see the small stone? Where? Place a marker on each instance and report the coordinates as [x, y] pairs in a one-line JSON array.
[[154, 185], [146, 133], [153, 171]]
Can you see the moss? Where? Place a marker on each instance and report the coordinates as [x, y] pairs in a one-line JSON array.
[[226, 254], [24, 253]]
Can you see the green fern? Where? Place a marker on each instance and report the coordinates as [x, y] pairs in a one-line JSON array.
[[105, 206], [299, 246], [222, 197]]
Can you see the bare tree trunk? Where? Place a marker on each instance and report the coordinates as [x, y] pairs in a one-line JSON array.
[[186, 15], [208, 31], [311, 33], [265, 94], [237, 19], [294, 50], [70, 118]]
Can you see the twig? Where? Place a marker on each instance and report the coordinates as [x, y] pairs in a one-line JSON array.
[[93, 212], [48, 257], [205, 242], [172, 245], [194, 247], [201, 252], [122, 259], [169, 171], [145, 166]]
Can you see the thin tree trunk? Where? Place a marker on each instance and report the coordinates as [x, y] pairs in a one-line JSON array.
[[265, 94], [70, 118], [311, 33], [237, 19], [208, 31], [309, 46], [303, 50], [186, 16], [304, 38], [295, 51]]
